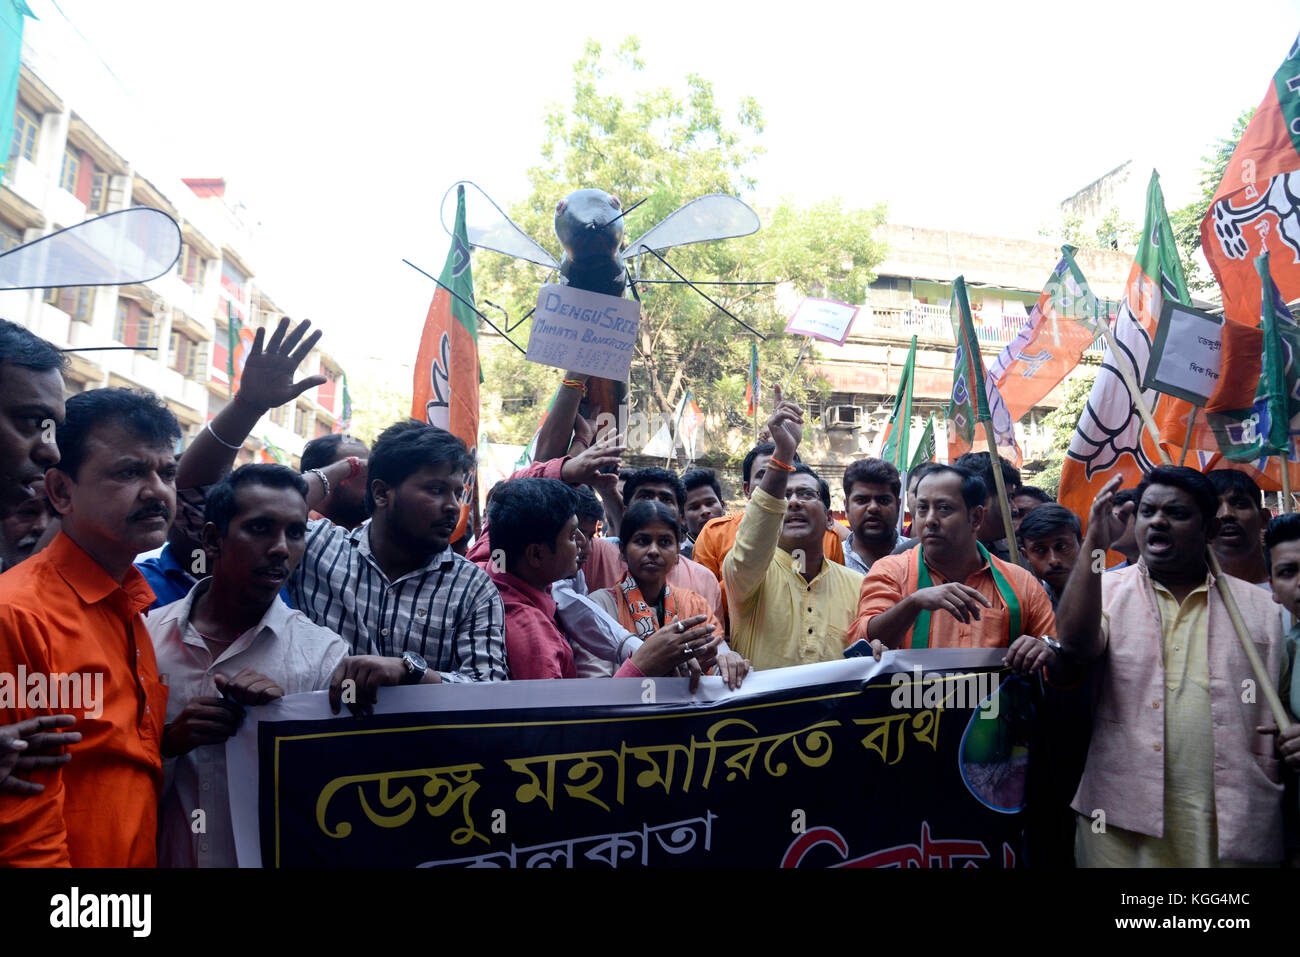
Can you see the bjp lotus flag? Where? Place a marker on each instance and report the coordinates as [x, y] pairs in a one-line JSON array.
[[1110, 438], [446, 368], [1256, 208]]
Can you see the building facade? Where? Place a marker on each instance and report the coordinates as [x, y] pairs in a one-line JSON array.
[[172, 335]]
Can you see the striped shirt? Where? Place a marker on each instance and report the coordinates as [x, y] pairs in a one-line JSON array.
[[447, 611]]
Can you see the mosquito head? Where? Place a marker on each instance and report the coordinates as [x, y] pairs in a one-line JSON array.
[[589, 224]]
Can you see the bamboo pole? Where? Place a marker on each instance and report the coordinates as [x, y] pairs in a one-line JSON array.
[[996, 462], [1287, 504], [798, 359], [1187, 440], [1220, 580]]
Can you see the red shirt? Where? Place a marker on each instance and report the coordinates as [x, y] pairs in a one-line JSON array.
[[535, 645], [61, 614]]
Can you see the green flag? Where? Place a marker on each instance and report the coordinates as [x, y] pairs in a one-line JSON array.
[[925, 452], [233, 328], [897, 432], [1246, 435], [11, 53]]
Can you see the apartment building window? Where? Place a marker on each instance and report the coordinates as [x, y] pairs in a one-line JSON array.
[[77, 301], [71, 167], [192, 266], [185, 354], [98, 194], [26, 125], [280, 416], [10, 236], [302, 422], [134, 326]]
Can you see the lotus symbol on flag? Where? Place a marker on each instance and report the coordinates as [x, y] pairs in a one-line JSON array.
[[1107, 430], [437, 410], [1281, 199]]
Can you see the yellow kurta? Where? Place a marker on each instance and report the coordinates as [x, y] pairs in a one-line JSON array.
[[777, 618]]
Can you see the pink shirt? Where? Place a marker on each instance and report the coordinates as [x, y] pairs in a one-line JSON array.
[[1125, 773]]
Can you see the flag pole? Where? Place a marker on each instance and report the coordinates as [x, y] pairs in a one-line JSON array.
[[1287, 503], [1187, 440], [1220, 580], [807, 340], [996, 462]]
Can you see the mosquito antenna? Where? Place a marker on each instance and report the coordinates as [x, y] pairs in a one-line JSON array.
[[761, 337], [711, 282], [468, 303], [111, 348], [626, 211]]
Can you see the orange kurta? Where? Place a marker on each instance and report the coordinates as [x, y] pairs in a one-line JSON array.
[[61, 614], [894, 577]]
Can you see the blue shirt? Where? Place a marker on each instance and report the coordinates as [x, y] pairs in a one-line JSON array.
[[170, 581]]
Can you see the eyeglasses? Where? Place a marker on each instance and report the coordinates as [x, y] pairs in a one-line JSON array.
[[803, 494]]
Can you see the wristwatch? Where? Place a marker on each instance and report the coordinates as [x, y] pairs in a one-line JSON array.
[[1051, 643], [415, 668]]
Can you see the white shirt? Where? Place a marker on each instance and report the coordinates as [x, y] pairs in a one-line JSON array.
[[285, 646]]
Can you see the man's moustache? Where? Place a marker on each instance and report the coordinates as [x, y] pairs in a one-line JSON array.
[[150, 512]]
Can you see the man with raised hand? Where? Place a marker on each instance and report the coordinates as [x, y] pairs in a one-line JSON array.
[[1179, 773], [949, 591], [789, 604], [411, 610]]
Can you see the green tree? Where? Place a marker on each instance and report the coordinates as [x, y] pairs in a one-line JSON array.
[[376, 404], [1186, 221], [668, 147]]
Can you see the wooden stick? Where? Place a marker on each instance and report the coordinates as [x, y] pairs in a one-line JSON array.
[[1005, 504], [1220, 581], [1287, 505], [1135, 391], [807, 341], [1248, 646], [1188, 440]]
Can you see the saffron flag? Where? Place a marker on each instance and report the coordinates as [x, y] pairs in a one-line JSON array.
[[1256, 208], [1050, 344], [1111, 438], [446, 367], [975, 401], [926, 449], [239, 340], [1251, 429], [688, 425], [344, 421], [897, 439], [271, 454], [751, 384]]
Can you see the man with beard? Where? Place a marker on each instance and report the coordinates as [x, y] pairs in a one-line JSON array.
[[410, 609], [1242, 520], [345, 506], [1177, 760], [871, 488], [789, 603], [74, 609], [228, 644]]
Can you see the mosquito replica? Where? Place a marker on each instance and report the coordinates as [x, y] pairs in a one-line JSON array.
[[589, 225]]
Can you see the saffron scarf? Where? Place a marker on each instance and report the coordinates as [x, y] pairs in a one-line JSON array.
[[643, 616]]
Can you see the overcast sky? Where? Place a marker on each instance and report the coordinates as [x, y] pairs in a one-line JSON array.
[[340, 125]]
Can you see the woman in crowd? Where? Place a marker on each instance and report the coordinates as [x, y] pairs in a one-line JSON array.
[[643, 602]]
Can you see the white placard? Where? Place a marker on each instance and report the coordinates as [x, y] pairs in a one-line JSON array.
[[584, 331], [1186, 355], [823, 319]]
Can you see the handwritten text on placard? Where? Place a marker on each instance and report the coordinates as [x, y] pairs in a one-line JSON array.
[[584, 331]]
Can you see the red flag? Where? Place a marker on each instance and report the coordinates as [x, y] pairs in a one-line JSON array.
[[1256, 208]]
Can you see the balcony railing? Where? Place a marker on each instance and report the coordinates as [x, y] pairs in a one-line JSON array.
[[928, 321]]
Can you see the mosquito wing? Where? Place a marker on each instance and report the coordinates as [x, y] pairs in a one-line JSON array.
[[490, 228], [717, 216], [127, 246]]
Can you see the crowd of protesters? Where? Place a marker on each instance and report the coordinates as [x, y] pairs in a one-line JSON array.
[[196, 591]]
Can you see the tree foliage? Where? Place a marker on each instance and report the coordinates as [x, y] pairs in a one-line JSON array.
[[667, 147]]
